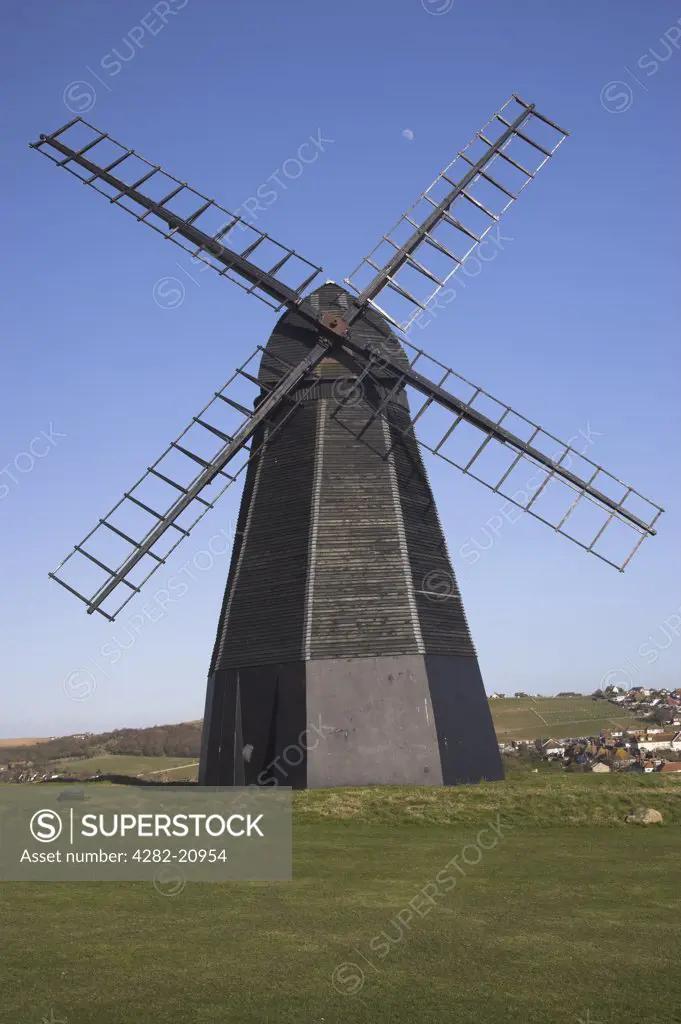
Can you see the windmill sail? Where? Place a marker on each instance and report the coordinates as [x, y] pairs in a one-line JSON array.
[[529, 467], [451, 220], [224, 241], [140, 532]]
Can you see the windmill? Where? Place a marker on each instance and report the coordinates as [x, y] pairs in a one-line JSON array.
[[343, 655]]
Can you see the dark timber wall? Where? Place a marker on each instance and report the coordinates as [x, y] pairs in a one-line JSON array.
[[330, 618]]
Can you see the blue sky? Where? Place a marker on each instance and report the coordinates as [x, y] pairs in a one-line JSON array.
[[576, 323]]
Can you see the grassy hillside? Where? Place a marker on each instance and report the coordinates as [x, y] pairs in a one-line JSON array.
[[121, 764], [178, 740], [557, 717], [537, 929]]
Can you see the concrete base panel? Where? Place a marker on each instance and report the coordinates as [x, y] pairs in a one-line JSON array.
[[378, 723]]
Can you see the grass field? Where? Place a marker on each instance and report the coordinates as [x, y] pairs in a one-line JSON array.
[[23, 741], [120, 764], [529, 717], [570, 913]]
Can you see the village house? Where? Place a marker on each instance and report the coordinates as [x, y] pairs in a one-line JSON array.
[[644, 700], [662, 741], [550, 747], [639, 734]]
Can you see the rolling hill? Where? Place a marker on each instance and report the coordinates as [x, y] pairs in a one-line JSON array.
[[528, 718], [162, 748]]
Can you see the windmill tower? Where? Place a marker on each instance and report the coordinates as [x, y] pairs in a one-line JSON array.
[[342, 619], [327, 615]]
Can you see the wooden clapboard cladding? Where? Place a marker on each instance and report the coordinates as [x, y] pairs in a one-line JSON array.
[[263, 612], [361, 602], [339, 550], [442, 618]]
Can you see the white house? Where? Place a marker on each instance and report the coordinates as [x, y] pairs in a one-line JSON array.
[[553, 748], [661, 742]]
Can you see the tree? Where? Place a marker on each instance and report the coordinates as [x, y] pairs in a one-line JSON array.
[[662, 715]]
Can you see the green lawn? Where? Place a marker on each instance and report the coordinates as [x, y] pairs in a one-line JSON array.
[[529, 718], [570, 911]]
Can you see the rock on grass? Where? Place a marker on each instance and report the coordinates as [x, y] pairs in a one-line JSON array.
[[644, 816]]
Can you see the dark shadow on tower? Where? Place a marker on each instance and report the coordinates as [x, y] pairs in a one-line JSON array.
[[337, 661]]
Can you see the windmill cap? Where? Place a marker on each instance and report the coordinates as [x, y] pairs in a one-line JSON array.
[[293, 336]]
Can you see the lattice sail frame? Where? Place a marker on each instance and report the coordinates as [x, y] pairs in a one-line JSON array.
[[452, 218], [494, 440], [170, 481], [167, 195]]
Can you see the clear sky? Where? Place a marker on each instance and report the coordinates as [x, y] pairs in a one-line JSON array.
[[576, 323]]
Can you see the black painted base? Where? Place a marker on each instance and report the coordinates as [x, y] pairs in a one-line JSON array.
[[397, 720]]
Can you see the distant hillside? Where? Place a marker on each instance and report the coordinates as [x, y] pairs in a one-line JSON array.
[[183, 740], [25, 741], [514, 718], [556, 717]]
